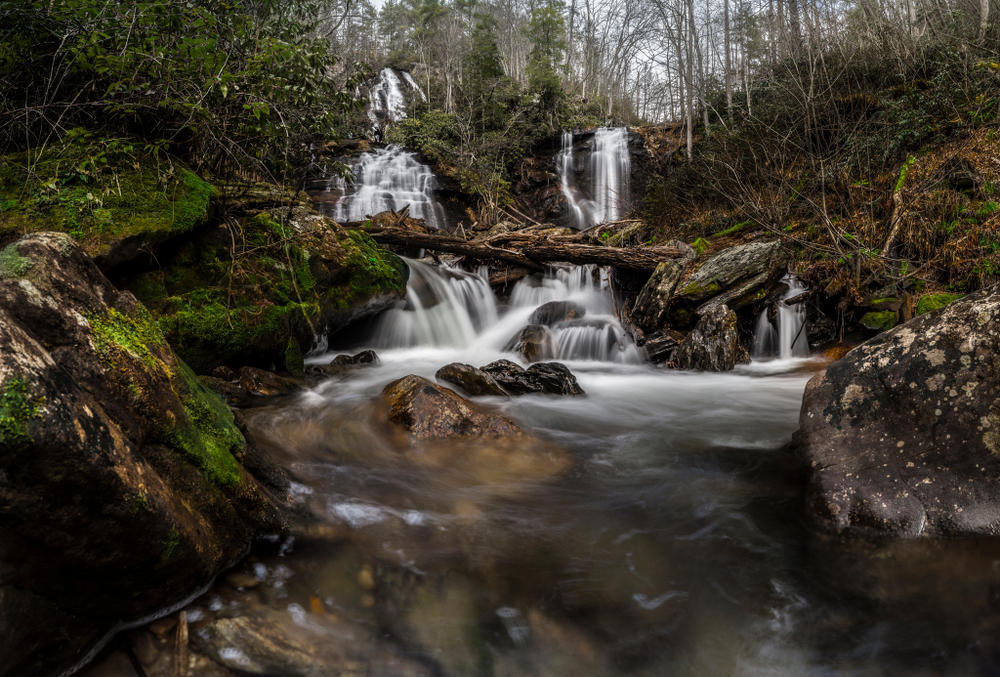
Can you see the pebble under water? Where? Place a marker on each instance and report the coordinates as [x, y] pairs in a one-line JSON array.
[[658, 529]]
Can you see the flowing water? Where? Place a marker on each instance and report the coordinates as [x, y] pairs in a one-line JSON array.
[[789, 339], [608, 166]]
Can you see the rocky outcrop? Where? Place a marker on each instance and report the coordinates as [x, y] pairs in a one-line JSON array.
[[471, 380], [124, 483], [902, 436], [552, 378], [428, 410], [653, 301], [713, 345], [734, 277]]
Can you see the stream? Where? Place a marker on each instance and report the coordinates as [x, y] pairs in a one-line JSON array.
[[656, 527]]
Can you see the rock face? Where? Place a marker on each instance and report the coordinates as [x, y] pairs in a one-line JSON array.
[[471, 380], [552, 378], [902, 435], [653, 301], [713, 345], [428, 410], [123, 484], [534, 343], [734, 278]]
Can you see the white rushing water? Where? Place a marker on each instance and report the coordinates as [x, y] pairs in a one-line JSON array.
[[450, 308], [389, 178], [608, 168], [789, 339], [387, 97]]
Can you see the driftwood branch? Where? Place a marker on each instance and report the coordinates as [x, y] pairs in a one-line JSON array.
[[532, 252]]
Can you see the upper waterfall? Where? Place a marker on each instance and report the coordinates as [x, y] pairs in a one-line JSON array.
[[607, 190]]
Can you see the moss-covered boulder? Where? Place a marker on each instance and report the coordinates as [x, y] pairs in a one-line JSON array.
[[114, 198], [929, 302], [124, 483], [259, 291]]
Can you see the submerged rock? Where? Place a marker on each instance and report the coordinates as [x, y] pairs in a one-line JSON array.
[[471, 380], [713, 345], [534, 343], [122, 482], [554, 312], [429, 410], [902, 435]]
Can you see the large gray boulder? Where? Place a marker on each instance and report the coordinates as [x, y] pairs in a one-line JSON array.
[[734, 277], [713, 345], [654, 299], [902, 436], [124, 482]]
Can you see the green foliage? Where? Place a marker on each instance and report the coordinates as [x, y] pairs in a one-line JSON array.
[[700, 245], [904, 171], [17, 409], [225, 84]]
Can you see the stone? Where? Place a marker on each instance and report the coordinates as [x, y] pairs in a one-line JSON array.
[[735, 277], [226, 374], [688, 252], [365, 357], [106, 438], [880, 320], [902, 434], [660, 346], [534, 343], [554, 312], [232, 393], [255, 381], [471, 380], [653, 301], [428, 410], [555, 378], [512, 377], [713, 345]]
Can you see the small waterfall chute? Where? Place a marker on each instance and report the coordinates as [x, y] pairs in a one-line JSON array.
[[787, 340], [609, 168]]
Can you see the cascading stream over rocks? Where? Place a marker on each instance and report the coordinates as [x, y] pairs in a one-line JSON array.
[[603, 192]]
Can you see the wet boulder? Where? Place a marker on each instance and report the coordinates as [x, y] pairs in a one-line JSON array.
[[713, 345], [471, 380], [232, 393], [653, 301], [123, 484], [554, 312], [428, 410], [735, 277], [534, 343], [902, 435], [553, 378], [512, 377]]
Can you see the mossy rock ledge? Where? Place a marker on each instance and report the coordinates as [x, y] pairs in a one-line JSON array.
[[260, 290], [124, 483]]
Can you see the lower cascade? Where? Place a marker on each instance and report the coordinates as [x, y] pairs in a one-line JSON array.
[[389, 178], [448, 307]]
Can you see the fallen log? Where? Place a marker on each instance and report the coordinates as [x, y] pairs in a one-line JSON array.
[[532, 253]]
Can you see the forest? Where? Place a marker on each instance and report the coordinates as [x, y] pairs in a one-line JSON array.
[[499, 338]]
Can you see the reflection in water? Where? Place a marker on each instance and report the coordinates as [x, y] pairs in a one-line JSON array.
[[657, 530]]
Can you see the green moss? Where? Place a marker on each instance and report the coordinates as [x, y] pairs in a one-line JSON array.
[[17, 409], [12, 264], [904, 171], [209, 438], [879, 303], [171, 544], [114, 333], [712, 287], [929, 302], [880, 321]]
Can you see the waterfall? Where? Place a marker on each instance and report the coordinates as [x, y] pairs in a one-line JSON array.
[[390, 178], [789, 339], [386, 99], [446, 307], [609, 169]]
